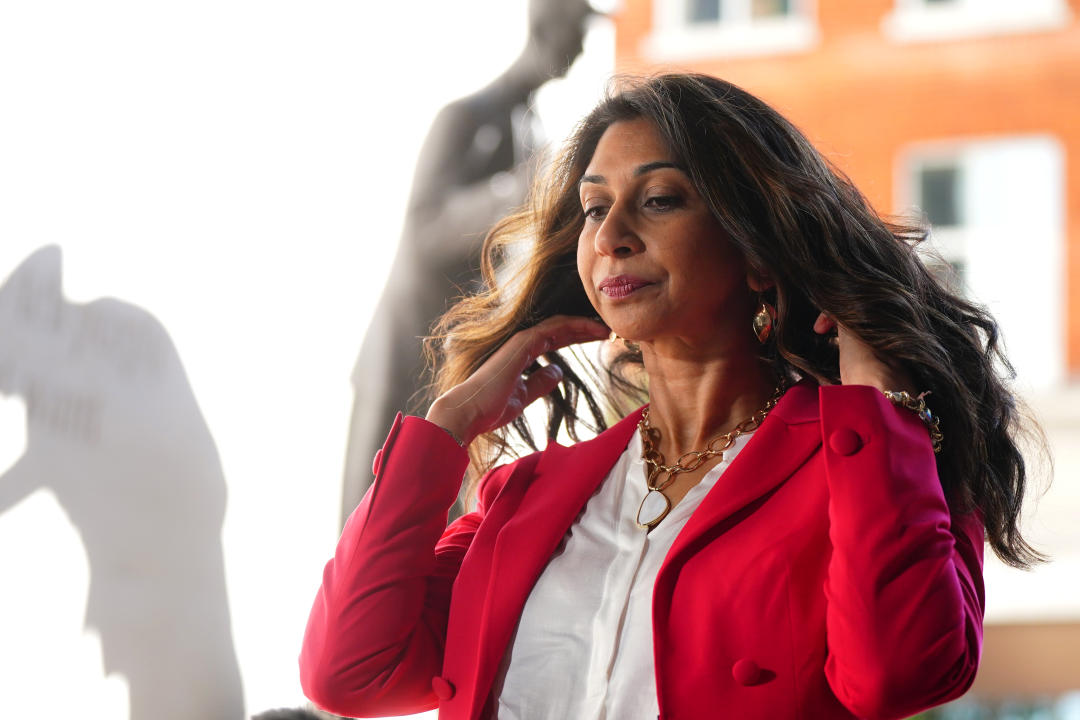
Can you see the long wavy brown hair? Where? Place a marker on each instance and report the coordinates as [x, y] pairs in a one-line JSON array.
[[796, 219]]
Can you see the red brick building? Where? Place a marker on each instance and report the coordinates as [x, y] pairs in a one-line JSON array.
[[891, 89]]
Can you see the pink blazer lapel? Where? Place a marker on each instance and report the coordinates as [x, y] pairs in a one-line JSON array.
[[537, 512], [783, 442], [564, 480]]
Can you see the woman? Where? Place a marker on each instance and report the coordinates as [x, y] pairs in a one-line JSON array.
[[773, 536]]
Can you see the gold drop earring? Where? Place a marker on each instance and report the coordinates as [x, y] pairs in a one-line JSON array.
[[764, 319]]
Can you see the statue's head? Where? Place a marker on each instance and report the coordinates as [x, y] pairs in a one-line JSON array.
[[557, 32], [31, 308]]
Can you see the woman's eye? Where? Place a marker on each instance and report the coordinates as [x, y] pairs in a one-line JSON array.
[[663, 202], [595, 212]]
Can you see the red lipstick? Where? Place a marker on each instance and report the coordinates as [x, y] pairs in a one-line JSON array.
[[619, 286]]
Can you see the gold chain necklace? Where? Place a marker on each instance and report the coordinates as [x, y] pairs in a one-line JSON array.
[[655, 505]]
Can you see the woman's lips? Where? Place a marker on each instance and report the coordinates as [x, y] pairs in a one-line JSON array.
[[621, 286]]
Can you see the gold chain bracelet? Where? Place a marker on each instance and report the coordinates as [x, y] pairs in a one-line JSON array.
[[917, 405]]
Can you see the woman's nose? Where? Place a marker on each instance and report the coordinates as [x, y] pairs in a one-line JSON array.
[[616, 235]]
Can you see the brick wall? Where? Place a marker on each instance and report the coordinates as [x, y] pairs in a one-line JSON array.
[[862, 97]]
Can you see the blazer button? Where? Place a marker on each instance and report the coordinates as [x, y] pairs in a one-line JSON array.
[[845, 441], [376, 462], [746, 672], [443, 688]]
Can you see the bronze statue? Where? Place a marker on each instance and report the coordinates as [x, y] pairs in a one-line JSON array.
[[472, 169]]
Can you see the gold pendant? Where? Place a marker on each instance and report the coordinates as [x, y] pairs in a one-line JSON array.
[[654, 507]]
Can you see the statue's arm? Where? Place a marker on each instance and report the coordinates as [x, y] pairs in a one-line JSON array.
[[16, 484]]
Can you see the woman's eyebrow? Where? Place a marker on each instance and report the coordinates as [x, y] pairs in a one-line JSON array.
[[638, 171]]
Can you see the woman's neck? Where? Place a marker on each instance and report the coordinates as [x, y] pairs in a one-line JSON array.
[[691, 400]]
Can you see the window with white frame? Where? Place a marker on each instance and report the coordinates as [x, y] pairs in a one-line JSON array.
[[996, 213], [930, 20], [715, 11], [690, 29], [937, 192]]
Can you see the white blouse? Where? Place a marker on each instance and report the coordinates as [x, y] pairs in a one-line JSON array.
[[583, 647]]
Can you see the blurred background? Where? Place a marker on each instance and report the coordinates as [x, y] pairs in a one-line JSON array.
[[201, 203]]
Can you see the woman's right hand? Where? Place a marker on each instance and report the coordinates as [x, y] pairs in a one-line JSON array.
[[498, 392]]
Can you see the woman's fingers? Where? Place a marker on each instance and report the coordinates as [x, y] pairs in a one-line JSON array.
[[563, 330], [497, 392], [552, 334], [859, 364], [824, 324], [522, 350], [541, 382]]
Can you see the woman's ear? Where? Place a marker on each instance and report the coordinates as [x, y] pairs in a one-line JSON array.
[[759, 281]]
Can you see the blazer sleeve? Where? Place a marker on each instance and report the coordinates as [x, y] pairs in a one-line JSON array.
[[377, 629], [904, 589]]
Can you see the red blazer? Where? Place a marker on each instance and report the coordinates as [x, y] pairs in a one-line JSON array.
[[822, 576]]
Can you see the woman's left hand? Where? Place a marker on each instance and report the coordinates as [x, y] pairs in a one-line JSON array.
[[859, 365]]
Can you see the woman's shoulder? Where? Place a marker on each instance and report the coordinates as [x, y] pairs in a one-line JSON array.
[[800, 403]]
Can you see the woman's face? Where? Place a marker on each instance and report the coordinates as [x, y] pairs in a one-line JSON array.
[[653, 259]]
